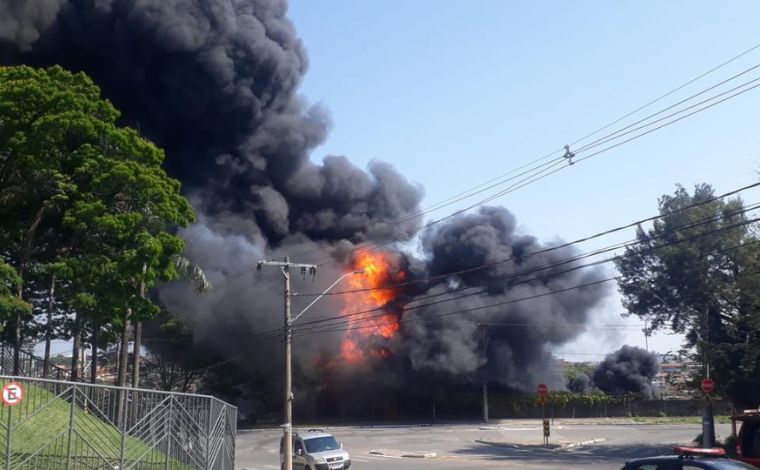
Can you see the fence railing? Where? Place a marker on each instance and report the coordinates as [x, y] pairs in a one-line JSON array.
[[70, 425], [29, 365]]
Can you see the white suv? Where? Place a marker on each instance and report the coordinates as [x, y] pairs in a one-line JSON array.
[[316, 450]]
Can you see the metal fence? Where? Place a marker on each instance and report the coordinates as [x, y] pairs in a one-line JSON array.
[[68, 425], [29, 365]]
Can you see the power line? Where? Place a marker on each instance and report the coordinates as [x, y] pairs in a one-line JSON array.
[[671, 92], [343, 318], [563, 262], [337, 328], [734, 77], [543, 251], [551, 169], [382, 309], [666, 124], [620, 133], [479, 189]]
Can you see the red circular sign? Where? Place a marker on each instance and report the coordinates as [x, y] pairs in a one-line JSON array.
[[542, 389], [12, 394], [708, 385]]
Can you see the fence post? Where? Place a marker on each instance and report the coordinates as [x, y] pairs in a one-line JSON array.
[[208, 434], [8, 441], [169, 434], [71, 424], [123, 422]]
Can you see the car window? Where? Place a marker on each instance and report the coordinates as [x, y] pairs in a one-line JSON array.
[[298, 445], [657, 466], [321, 444]]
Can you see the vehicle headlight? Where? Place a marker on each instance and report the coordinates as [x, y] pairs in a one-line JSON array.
[[320, 460]]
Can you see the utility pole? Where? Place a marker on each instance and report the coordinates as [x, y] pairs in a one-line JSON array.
[[485, 378], [708, 420], [646, 335], [484, 344], [285, 267]]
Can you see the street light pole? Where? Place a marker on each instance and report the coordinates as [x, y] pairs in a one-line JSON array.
[[285, 267]]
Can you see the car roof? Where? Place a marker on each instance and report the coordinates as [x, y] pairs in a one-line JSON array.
[[312, 433]]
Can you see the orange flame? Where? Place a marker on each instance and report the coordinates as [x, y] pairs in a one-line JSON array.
[[368, 311]]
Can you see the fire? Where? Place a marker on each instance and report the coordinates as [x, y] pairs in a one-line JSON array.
[[370, 314]]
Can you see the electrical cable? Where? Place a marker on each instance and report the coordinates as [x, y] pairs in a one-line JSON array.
[[555, 264], [542, 251], [479, 189], [407, 308], [446, 314]]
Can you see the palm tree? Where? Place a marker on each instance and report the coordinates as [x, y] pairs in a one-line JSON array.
[[186, 270]]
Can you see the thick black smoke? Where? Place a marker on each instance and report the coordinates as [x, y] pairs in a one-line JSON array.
[[628, 370], [520, 335], [581, 383], [214, 82]]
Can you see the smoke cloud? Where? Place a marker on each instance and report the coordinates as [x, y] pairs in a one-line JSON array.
[[581, 383], [628, 370], [520, 335], [214, 82]]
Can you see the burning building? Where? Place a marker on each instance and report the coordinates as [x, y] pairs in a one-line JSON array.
[[215, 82]]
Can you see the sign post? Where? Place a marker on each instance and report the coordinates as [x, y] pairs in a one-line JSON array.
[[542, 390], [708, 421]]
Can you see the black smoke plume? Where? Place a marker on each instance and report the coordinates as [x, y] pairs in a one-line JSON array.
[[628, 370], [214, 82], [581, 383]]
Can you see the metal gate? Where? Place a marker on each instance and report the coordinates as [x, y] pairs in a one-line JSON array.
[[68, 425]]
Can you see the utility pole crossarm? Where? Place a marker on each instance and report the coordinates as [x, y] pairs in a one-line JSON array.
[[311, 269]]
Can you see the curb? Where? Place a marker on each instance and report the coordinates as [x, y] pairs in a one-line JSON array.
[[582, 443], [402, 454], [516, 445]]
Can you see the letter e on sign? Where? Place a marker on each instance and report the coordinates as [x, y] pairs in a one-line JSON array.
[[12, 394]]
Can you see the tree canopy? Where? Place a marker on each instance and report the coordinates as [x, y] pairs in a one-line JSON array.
[[695, 272], [83, 202]]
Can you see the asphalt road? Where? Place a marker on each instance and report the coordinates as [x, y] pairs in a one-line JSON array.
[[510, 446]]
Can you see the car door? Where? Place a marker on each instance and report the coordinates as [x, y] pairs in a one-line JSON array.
[[299, 461]]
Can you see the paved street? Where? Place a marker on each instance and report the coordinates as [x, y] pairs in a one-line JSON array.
[[507, 445]]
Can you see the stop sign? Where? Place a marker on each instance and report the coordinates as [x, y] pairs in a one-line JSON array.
[[708, 385], [542, 389]]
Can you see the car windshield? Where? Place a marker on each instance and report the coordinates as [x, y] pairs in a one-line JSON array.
[[321, 444]]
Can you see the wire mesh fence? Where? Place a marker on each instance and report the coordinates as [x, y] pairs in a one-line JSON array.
[[68, 425]]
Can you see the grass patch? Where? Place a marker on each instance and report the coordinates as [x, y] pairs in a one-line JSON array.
[[40, 432]]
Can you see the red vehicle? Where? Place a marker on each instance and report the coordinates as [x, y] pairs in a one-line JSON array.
[[748, 442]]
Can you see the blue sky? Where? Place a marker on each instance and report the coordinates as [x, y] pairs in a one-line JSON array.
[[454, 93]]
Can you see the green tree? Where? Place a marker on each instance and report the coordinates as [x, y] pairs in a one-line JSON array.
[[86, 196], [692, 272], [11, 304]]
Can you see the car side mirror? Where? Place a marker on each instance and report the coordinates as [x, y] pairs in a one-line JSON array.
[[299, 452], [341, 445]]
